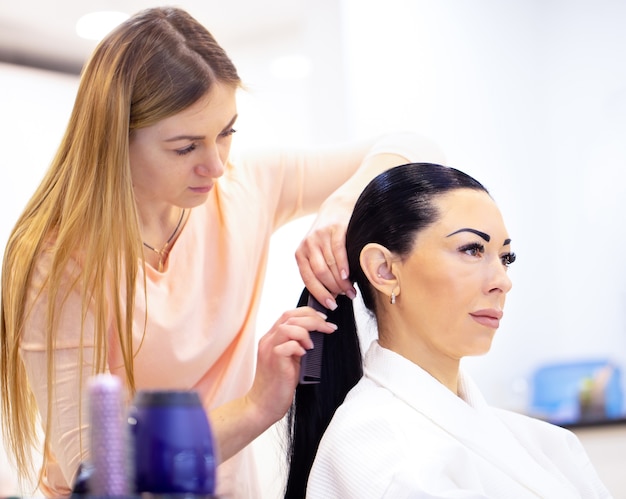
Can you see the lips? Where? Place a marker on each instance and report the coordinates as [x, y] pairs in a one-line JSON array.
[[201, 189], [488, 317]]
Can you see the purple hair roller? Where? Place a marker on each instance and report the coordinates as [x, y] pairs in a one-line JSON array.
[[108, 449]]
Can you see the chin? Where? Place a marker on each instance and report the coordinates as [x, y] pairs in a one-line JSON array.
[[482, 345]]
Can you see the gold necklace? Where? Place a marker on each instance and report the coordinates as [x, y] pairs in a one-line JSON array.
[[163, 251]]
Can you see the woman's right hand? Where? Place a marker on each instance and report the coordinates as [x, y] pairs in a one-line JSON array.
[[278, 360], [238, 422]]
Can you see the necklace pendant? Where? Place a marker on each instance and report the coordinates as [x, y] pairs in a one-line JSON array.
[[164, 251]]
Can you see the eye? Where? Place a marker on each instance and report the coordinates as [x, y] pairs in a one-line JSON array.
[[473, 249], [228, 133], [186, 150], [508, 259]]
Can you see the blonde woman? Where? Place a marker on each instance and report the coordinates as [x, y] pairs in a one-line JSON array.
[[142, 253]]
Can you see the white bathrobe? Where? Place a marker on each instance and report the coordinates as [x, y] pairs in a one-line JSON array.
[[402, 434]]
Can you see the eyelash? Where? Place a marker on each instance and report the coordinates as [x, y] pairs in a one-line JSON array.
[[192, 147], [508, 259], [474, 248], [186, 150]]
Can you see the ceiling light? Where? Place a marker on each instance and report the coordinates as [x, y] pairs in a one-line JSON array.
[[96, 25]]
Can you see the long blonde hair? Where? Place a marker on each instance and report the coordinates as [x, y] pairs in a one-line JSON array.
[[153, 66]]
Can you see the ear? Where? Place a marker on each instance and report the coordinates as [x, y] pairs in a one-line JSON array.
[[377, 263]]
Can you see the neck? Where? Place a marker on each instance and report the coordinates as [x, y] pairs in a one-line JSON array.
[[444, 369], [162, 250]]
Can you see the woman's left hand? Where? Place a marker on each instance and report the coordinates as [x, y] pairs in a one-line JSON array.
[[323, 261], [321, 256]]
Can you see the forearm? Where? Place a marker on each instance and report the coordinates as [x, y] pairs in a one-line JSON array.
[[68, 437], [235, 425], [321, 256], [345, 196], [391, 150]]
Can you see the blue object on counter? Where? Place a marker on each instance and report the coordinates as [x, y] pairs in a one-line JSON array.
[[558, 391], [172, 444]]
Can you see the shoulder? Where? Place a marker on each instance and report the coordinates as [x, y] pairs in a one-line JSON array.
[[535, 430], [260, 174], [359, 452], [370, 432], [44, 262], [367, 416], [378, 446]]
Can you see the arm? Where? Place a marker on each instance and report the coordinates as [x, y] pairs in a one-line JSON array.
[[237, 423], [321, 256], [68, 437], [234, 424], [369, 451]]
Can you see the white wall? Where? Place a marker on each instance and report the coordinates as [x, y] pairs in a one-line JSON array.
[[34, 109], [528, 96]]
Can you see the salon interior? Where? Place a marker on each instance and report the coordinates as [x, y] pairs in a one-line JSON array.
[[528, 96]]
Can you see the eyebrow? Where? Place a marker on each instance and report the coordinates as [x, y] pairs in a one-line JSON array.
[[199, 137], [185, 137], [486, 237], [479, 233]]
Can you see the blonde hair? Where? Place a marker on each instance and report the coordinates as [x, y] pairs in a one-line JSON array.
[[153, 66]]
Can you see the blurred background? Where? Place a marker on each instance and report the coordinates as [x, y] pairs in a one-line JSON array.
[[529, 96]]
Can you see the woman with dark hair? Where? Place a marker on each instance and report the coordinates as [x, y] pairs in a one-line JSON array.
[[429, 252]]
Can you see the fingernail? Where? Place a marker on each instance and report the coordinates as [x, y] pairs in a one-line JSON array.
[[334, 326], [351, 294], [322, 315], [331, 304], [344, 275]]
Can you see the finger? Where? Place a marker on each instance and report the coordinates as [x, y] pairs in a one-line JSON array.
[[335, 264], [333, 249], [300, 316], [325, 286], [326, 271], [317, 263], [316, 321], [301, 337], [330, 273], [339, 254], [340, 267], [296, 328], [319, 291], [290, 349], [314, 285]]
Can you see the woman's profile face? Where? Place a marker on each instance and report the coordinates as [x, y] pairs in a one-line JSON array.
[[454, 283], [178, 159]]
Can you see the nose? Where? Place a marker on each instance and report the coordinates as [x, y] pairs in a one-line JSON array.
[[499, 280], [211, 164]]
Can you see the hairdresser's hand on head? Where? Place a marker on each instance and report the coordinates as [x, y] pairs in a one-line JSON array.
[[322, 258]]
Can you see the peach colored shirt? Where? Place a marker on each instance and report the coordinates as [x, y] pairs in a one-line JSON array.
[[200, 331]]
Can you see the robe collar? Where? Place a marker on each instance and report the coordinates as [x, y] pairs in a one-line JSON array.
[[467, 417]]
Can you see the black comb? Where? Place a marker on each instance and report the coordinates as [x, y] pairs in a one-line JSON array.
[[311, 362]]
